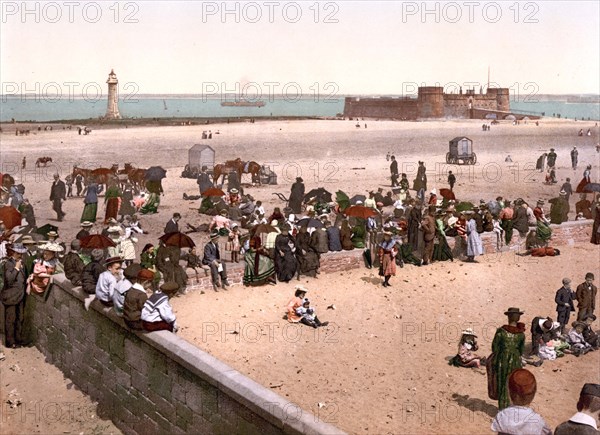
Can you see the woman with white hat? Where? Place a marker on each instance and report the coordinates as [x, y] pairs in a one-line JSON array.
[[44, 268]]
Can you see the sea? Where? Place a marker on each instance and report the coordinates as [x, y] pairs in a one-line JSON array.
[[55, 108]]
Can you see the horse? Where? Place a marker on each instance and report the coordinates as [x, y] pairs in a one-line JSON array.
[[43, 161], [100, 175], [240, 167], [135, 175]]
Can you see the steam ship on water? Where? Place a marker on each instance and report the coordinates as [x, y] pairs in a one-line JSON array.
[[242, 103]]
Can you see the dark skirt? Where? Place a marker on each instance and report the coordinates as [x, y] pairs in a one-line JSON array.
[[286, 266], [89, 212], [441, 250], [112, 209], [259, 268]]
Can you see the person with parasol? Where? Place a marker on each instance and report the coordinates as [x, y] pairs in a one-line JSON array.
[[153, 177]]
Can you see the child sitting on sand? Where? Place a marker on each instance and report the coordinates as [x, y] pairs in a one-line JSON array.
[[575, 338], [308, 314], [466, 348]]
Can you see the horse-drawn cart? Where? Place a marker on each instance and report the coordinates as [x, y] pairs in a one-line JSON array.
[[461, 152]]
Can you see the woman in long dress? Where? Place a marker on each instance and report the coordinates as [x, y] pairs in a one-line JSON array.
[[507, 348], [346, 236], [587, 179], [259, 266], [474, 245], [387, 253], [286, 264], [112, 200], [544, 232], [308, 261], [441, 249], [595, 239], [90, 208], [148, 261], [127, 208], [414, 221]]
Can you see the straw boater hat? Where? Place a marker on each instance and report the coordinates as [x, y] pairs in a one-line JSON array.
[[52, 234], [540, 202], [51, 246], [214, 235], [28, 240], [86, 224], [234, 190]]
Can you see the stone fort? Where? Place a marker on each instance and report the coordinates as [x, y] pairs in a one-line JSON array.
[[432, 102]]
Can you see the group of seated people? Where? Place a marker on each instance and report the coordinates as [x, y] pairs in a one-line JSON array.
[[547, 343]]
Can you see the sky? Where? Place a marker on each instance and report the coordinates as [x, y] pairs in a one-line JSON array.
[[337, 47]]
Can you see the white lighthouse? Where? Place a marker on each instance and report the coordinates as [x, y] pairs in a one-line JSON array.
[[112, 110]]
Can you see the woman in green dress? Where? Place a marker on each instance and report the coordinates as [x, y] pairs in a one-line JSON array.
[[441, 250], [358, 234], [148, 261], [154, 189], [260, 269], [507, 349]]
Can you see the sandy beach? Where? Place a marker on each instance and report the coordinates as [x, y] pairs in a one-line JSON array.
[[381, 365]]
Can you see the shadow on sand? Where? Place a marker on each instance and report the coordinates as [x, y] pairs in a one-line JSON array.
[[475, 405]]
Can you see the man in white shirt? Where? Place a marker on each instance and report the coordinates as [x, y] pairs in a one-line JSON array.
[[108, 281], [519, 418], [585, 421]]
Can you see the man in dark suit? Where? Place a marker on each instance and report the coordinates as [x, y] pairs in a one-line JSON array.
[[586, 297], [212, 258], [394, 171], [564, 303], [58, 193], [12, 295], [173, 226]]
